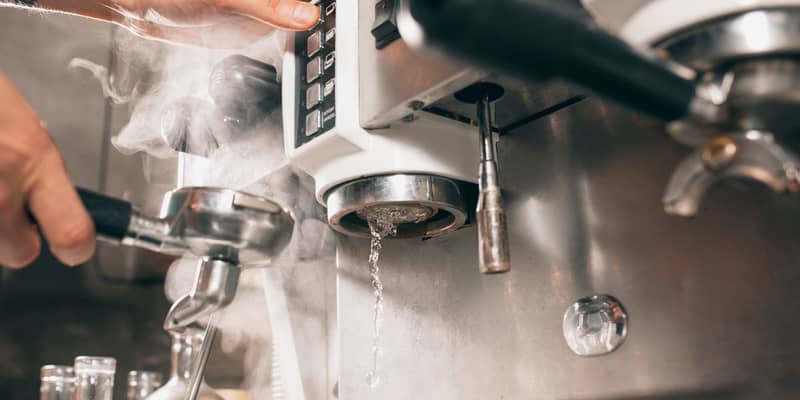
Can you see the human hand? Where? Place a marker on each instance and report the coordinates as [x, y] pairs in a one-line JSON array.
[[213, 23], [33, 179]]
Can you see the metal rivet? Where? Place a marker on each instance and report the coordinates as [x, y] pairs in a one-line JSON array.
[[719, 153], [416, 105], [595, 325]]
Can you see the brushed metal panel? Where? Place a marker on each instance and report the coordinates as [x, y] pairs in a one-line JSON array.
[[709, 298], [34, 53], [520, 101]]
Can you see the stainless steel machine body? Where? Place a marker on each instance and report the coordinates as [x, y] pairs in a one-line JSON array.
[[583, 181], [709, 299]]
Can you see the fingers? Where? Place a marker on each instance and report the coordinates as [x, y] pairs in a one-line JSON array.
[[33, 177], [284, 14], [19, 241], [55, 204], [235, 32]]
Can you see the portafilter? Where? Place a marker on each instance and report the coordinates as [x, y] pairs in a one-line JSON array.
[[226, 229]]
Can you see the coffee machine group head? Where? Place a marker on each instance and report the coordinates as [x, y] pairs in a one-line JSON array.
[[744, 56], [414, 168], [357, 118]]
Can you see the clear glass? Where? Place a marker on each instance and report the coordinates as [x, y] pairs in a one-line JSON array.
[[142, 383], [94, 378], [185, 347], [58, 382]]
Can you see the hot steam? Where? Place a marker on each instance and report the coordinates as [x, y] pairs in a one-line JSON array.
[[249, 159]]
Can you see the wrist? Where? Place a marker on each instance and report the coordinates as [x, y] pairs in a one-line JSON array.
[[19, 3], [122, 9], [98, 9]]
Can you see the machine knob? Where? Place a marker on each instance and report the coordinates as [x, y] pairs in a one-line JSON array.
[[194, 126], [385, 27], [244, 89]]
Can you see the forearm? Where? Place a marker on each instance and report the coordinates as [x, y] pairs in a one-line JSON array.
[[107, 10]]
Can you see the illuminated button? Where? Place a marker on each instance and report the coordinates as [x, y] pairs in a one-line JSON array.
[[313, 95], [313, 69], [329, 86], [314, 43], [329, 59], [329, 36], [313, 122]]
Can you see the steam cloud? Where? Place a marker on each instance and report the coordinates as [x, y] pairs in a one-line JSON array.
[[151, 77]]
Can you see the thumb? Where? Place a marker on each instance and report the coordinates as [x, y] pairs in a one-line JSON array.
[[284, 14]]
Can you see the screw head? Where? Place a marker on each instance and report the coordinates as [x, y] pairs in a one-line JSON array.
[[595, 325], [719, 153], [416, 105]]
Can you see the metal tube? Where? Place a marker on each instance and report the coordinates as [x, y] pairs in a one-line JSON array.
[[490, 214], [205, 350], [152, 234]]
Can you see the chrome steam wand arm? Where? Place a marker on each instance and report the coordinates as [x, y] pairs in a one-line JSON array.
[[490, 213]]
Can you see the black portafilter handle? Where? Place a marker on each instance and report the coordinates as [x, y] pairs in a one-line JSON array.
[[540, 39], [243, 88], [111, 216]]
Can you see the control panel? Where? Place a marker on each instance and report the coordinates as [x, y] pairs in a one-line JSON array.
[[316, 74]]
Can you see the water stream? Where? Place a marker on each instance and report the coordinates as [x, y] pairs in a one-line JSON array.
[[383, 222], [381, 225]]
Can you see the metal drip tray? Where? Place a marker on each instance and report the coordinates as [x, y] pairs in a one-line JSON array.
[[426, 205]]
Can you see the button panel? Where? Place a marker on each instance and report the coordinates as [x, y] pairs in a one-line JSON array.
[[316, 76], [314, 43], [313, 122], [313, 95], [313, 69]]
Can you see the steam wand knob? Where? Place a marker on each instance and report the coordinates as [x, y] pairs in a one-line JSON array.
[[244, 89]]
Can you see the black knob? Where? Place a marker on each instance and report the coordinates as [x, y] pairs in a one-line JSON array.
[[244, 89], [384, 29], [194, 126]]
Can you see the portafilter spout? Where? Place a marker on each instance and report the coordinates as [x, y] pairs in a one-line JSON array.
[[225, 228], [214, 287]]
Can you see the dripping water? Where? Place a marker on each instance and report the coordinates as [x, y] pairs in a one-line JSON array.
[[383, 222]]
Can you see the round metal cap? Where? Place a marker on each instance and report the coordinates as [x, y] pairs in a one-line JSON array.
[[595, 325], [95, 365], [57, 372], [425, 205]]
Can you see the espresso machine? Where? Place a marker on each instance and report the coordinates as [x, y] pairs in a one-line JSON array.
[[397, 106], [385, 105]]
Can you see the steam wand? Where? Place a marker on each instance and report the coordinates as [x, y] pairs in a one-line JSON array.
[[199, 366], [493, 254]]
